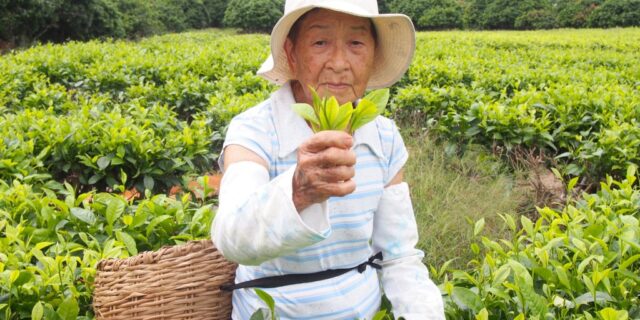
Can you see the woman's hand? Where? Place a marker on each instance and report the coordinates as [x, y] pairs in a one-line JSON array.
[[325, 168]]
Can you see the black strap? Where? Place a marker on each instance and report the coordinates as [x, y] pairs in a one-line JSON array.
[[289, 279]]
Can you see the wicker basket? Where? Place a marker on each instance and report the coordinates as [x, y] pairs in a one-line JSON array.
[[177, 282]]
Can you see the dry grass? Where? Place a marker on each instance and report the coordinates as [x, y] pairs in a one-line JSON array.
[[449, 193]]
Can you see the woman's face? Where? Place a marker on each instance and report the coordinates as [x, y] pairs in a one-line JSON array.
[[333, 52]]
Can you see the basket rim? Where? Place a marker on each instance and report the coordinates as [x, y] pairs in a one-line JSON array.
[[153, 257]]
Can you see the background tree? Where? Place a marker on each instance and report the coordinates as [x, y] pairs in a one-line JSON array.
[[431, 14], [253, 15], [574, 13], [383, 7], [502, 14], [23, 21], [537, 19], [446, 15], [616, 13]]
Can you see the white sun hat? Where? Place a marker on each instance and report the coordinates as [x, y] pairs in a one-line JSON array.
[[396, 40]]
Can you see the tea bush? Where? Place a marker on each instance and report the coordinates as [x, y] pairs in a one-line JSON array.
[[90, 147], [53, 238], [577, 99], [572, 263], [85, 112]]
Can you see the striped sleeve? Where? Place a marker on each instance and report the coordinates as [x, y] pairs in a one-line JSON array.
[[252, 130], [395, 150]]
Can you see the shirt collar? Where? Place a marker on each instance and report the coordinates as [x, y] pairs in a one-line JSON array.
[[292, 130]]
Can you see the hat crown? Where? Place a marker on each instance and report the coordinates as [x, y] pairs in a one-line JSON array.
[[365, 7]]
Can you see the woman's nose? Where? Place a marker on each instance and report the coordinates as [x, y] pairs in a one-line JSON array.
[[338, 60]]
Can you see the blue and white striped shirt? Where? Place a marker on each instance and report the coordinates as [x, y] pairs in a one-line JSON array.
[[280, 242]]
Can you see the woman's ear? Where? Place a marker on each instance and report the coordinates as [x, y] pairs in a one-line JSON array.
[[289, 49]]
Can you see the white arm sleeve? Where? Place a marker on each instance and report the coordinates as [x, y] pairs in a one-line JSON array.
[[256, 219], [405, 279]]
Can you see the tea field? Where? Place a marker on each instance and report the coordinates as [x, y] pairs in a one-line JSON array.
[[102, 142]]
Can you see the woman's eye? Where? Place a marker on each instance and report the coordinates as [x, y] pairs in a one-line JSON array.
[[356, 43], [320, 43]]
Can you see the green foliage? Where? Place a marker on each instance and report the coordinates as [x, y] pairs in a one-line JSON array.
[[575, 13], [569, 264], [86, 19], [93, 147], [502, 14], [537, 19], [383, 6], [616, 13], [571, 95], [253, 15], [327, 114], [52, 239], [271, 307], [24, 22], [446, 15], [412, 8], [149, 110]]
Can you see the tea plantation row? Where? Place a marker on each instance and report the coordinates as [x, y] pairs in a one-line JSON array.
[[83, 123]]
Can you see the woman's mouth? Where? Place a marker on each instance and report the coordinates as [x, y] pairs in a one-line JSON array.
[[337, 87]]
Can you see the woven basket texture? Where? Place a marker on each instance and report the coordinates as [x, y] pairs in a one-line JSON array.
[[176, 282]]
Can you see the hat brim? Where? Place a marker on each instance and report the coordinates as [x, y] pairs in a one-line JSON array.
[[396, 45]]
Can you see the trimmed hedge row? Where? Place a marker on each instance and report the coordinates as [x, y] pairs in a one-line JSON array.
[[87, 112], [573, 94]]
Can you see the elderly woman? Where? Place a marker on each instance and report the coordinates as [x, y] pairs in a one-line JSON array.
[[303, 213]]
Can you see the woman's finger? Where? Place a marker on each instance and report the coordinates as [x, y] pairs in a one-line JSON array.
[[327, 139]]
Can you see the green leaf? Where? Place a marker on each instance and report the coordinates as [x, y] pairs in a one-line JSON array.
[[149, 183], [613, 314], [478, 227], [38, 311], [260, 314], [22, 278], [317, 102], [117, 161], [587, 298], [380, 315], [631, 173], [501, 275], [344, 116], [68, 309], [483, 314], [104, 162], [331, 110], [156, 221], [629, 261], [364, 112], [306, 112], [95, 178], [467, 299], [527, 225], [128, 241], [123, 177], [268, 300], [524, 282], [84, 215], [572, 183], [115, 209], [380, 98]]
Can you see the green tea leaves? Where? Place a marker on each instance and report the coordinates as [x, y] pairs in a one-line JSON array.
[[268, 300], [379, 98], [84, 215], [306, 111], [68, 309], [327, 114]]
